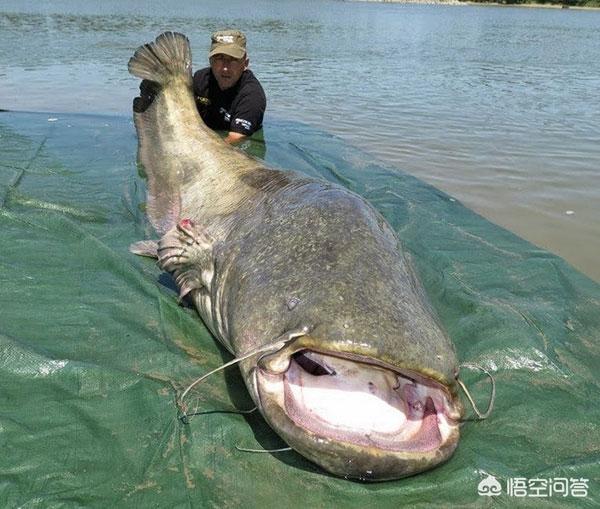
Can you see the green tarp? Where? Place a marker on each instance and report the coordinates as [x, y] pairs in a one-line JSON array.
[[94, 347]]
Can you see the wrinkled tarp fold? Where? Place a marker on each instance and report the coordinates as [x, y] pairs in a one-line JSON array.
[[94, 347]]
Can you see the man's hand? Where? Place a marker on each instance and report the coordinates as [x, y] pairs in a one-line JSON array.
[[148, 91], [233, 137]]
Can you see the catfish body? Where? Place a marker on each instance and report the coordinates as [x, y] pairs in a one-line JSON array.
[[366, 388]]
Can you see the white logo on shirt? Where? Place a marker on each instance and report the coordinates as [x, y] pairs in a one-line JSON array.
[[226, 114], [244, 123]]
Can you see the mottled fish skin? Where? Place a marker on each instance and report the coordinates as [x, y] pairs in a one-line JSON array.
[[262, 251]]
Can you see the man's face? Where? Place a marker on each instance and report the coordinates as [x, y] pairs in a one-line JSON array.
[[227, 70]]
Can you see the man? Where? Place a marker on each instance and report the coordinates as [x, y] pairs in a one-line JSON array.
[[228, 95]]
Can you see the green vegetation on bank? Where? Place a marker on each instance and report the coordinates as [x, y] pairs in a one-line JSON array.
[[563, 3]]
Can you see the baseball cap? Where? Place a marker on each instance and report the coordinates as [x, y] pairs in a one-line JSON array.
[[228, 42]]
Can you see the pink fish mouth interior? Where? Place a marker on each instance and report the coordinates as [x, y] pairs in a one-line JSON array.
[[363, 404]]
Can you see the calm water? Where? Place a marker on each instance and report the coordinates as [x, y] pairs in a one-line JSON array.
[[497, 106]]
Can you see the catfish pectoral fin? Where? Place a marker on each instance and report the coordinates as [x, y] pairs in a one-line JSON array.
[[186, 251], [147, 248]]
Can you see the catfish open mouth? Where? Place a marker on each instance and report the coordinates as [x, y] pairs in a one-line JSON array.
[[368, 407]]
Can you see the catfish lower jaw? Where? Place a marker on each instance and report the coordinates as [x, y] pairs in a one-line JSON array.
[[357, 419]]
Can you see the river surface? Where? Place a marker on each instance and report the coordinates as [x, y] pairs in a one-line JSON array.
[[497, 106]]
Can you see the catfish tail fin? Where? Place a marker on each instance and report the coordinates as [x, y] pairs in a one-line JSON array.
[[163, 64], [168, 57]]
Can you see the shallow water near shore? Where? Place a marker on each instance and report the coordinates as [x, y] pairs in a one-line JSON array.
[[496, 106]]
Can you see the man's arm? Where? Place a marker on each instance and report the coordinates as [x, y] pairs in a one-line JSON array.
[[247, 112]]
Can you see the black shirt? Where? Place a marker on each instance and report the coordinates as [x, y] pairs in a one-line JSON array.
[[239, 109]]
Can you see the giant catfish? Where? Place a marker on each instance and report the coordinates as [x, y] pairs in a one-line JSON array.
[[364, 381]]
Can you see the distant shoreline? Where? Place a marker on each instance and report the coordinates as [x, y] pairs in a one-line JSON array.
[[485, 4], [425, 2], [528, 5]]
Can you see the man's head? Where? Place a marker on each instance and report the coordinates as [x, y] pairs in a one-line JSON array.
[[228, 58]]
